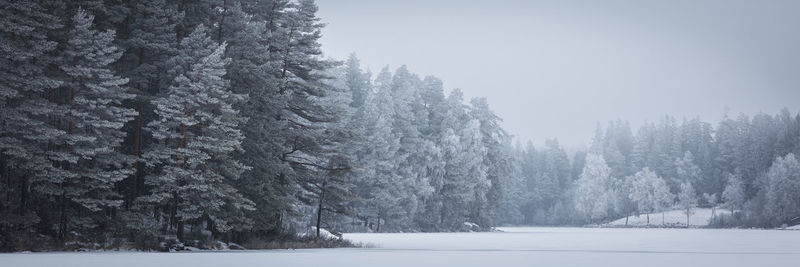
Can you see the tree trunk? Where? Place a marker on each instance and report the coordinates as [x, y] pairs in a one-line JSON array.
[[137, 138], [626, 219], [319, 209], [285, 66], [62, 222], [662, 218], [222, 21], [173, 212], [210, 227], [687, 218], [180, 230], [6, 173], [648, 219], [23, 196]]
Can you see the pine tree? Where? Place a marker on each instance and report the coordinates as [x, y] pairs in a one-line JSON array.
[[687, 171], [616, 146], [432, 99], [788, 137], [301, 80], [353, 81], [331, 189], [90, 158], [379, 189], [464, 182], [697, 139], [356, 81], [25, 129], [198, 131], [149, 38], [497, 161], [512, 188], [251, 72], [763, 136]]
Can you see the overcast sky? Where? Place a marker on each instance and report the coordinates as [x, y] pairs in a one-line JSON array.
[[556, 69]]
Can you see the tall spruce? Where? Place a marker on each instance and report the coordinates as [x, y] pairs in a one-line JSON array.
[[26, 91], [91, 160], [197, 132]]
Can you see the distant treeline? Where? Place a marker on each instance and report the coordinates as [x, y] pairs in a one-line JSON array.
[[745, 164]]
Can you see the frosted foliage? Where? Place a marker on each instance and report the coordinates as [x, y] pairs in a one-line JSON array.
[[198, 130], [783, 189], [649, 192], [593, 193]]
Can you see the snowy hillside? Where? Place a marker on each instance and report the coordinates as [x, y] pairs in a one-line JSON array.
[[673, 218]]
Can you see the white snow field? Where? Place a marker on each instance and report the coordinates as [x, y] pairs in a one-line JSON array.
[[673, 218], [617, 247]]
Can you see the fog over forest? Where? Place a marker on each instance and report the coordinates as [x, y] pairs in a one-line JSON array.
[[584, 62]]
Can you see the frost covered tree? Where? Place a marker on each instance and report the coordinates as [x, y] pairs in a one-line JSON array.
[[331, 191], [593, 193], [696, 138], [783, 190], [464, 183], [687, 171], [148, 36], [305, 134], [198, 131], [90, 161], [498, 161], [331, 188], [687, 200], [363, 122], [512, 188], [356, 81], [623, 204], [548, 177], [649, 192], [733, 197], [409, 118], [26, 52], [253, 70], [378, 157], [433, 100], [615, 143]]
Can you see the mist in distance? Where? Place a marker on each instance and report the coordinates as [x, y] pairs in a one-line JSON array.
[[556, 69]]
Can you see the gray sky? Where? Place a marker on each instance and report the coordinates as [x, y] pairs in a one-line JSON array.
[[556, 69]]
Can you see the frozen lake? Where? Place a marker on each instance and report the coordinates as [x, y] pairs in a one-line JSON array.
[[514, 247]]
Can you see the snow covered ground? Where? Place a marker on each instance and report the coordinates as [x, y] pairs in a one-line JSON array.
[[700, 217], [618, 247]]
